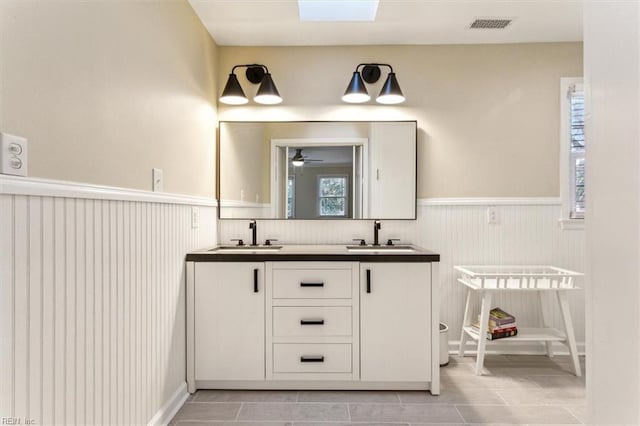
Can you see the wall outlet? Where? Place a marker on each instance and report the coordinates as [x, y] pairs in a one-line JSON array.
[[158, 180], [492, 216], [195, 217], [13, 155]]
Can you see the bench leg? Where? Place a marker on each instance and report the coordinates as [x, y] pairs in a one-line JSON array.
[[484, 324], [544, 323], [465, 322], [563, 301]]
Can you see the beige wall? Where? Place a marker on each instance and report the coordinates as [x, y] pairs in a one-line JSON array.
[[107, 90], [488, 115]]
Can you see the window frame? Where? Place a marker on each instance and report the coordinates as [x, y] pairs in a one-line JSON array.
[[345, 196], [570, 219]]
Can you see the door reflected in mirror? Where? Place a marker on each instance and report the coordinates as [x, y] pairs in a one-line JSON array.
[[317, 170]]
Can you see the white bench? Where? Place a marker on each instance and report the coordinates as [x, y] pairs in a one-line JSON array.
[[486, 280]]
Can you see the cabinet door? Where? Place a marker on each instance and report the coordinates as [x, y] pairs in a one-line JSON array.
[[229, 321], [395, 322], [393, 170]]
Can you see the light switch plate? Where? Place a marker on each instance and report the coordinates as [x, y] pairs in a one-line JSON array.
[[13, 155], [158, 180], [492, 216], [195, 217]]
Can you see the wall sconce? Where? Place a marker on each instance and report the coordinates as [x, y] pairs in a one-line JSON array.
[[357, 92], [267, 93]]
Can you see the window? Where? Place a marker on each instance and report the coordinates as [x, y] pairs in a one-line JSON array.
[[291, 196], [332, 196], [576, 101], [572, 138]]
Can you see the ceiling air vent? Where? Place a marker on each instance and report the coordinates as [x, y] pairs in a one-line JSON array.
[[490, 24]]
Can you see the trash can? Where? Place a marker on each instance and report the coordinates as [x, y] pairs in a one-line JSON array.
[[444, 344]]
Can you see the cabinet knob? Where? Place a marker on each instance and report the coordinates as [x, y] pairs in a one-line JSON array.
[[255, 280], [312, 358], [312, 322]]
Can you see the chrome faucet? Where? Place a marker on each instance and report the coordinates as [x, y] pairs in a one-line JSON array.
[[376, 227], [254, 232]]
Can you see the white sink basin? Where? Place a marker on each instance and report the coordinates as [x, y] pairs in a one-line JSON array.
[[380, 249], [246, 249]]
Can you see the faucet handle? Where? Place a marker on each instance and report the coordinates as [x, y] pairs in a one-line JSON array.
[[269, 240], [391, 240], [362, 241], [239, 240]]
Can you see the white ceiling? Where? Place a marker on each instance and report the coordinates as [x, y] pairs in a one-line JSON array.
[[276, 23]]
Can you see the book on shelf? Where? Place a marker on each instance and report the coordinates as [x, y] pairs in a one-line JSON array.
[[499, 333], [502, 334], [495, 327], [496, 334], [499, 317], [508, 327]]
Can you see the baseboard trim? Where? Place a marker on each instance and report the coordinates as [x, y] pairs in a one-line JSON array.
[[521, 348], [14, 185], [496, 201], [164, 415], [310, 385]]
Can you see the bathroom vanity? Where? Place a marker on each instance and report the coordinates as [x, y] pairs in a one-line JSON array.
[[312, 317]]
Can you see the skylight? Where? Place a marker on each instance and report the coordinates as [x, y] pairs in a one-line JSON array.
[[337, 10]]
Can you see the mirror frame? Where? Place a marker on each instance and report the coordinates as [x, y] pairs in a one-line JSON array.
[[218, 177]]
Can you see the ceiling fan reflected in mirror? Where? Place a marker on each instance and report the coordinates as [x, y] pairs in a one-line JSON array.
[[298, 160]]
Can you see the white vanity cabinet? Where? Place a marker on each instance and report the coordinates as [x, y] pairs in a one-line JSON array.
[[395, 322], [227, 314], [312, 321], [320, 323]]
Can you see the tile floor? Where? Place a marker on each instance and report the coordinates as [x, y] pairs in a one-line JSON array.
[[517, 389]]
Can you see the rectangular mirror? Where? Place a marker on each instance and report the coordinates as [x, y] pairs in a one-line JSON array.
[[317, 170]]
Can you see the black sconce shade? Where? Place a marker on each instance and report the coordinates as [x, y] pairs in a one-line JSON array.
[[391, 92], [232, 93], [356, 92], [267, 92]]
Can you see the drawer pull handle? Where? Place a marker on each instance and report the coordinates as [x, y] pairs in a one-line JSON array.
[[312, 322], [303, 284], [368, 280], [314, 358], [255, 280]]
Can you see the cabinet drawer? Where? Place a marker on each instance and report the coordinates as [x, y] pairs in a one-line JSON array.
[[312, 283], [312, 358], [311, 321]]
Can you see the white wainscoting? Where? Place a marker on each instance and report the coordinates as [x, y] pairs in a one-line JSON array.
[[527, 232], [233, 209], [92, 313]]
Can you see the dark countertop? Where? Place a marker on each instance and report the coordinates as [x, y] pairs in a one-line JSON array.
[[311, 253]]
